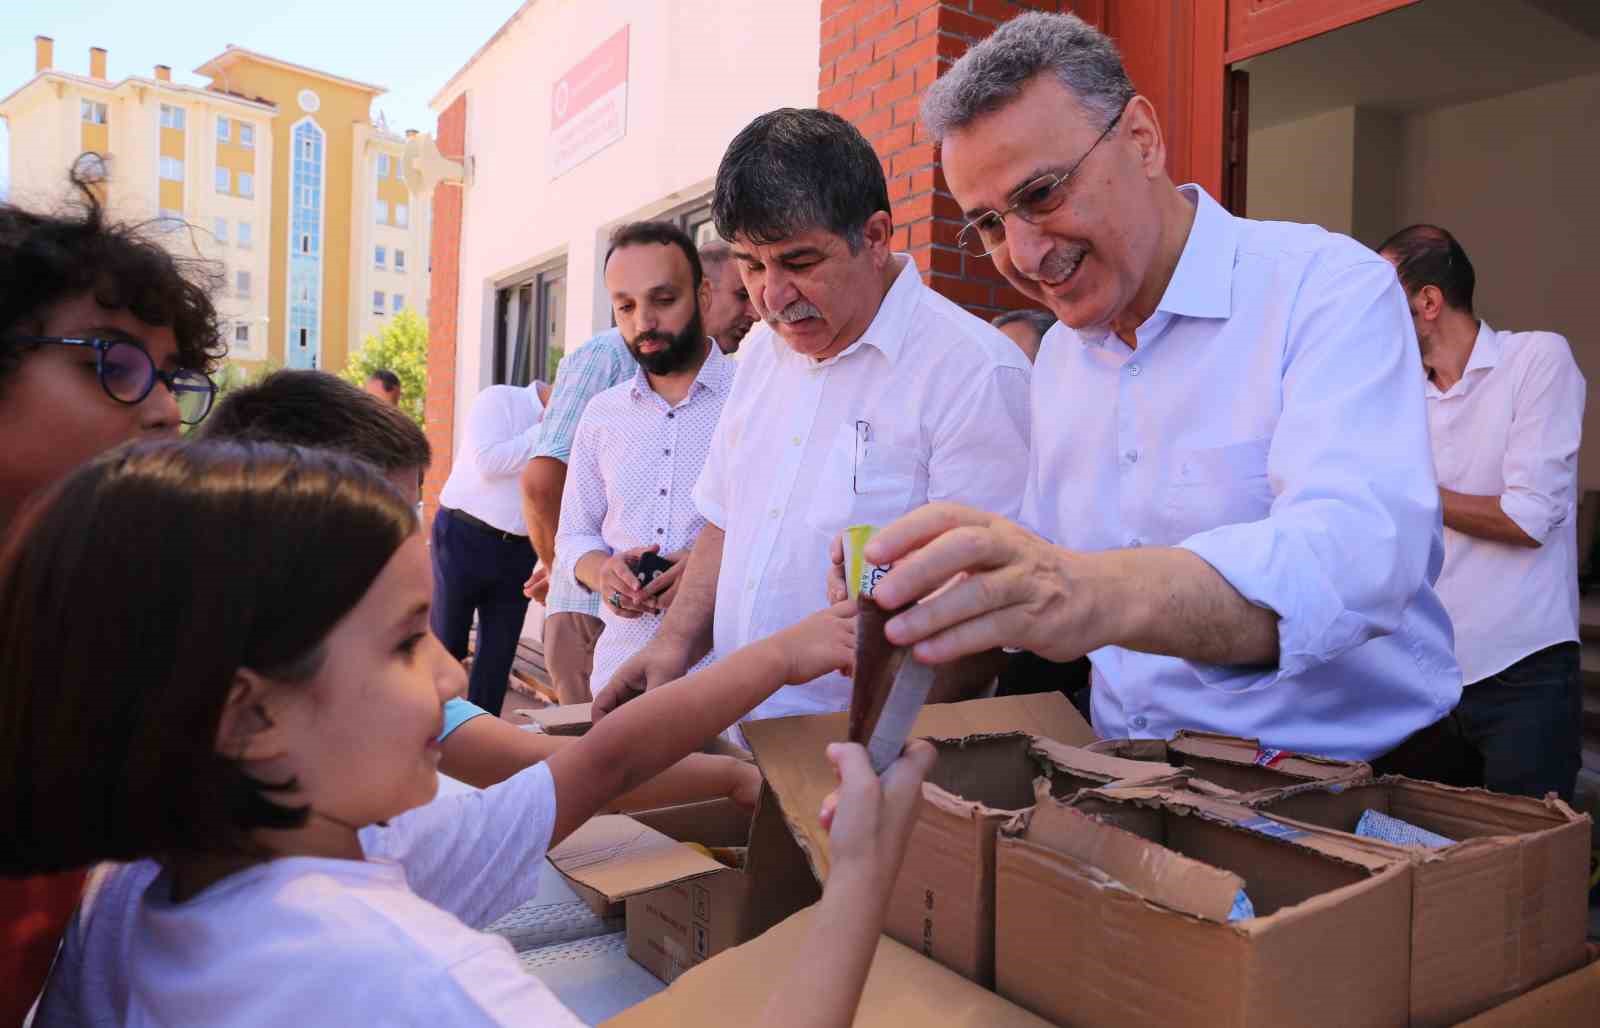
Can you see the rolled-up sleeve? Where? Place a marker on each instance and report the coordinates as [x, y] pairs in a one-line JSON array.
[[583, 503], [1541, 461], [498, 449], [584, 373], [1353, 530]]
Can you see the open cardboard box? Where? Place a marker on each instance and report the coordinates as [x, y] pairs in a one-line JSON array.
[[1571, 1001], [566, 719], [902, 988], [1240, 765], [1503, 910], [683, 906], [943, 899], [1114, 910]]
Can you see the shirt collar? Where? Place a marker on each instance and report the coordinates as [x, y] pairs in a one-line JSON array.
[[887, 330], [1202, 283], [1485, 350], [715, 374]]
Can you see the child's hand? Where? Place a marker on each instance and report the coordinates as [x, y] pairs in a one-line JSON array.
[[747, 782], [869, 818], [823, 642]]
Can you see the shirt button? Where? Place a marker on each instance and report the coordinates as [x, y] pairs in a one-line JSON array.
[[1141, 722], [1135, 542], [670, 414], [659, 531], [663, 492], [1132, 456], [1133, 369], [751, 586], [772, 513], [666, 453], [795, 440]]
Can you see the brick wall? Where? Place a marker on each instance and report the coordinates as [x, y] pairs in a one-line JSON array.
[[876, 59], [444, 293]]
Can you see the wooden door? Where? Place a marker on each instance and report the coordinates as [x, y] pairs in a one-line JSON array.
[[1256, 26]]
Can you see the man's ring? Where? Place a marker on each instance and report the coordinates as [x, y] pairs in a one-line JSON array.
[[616, 600]]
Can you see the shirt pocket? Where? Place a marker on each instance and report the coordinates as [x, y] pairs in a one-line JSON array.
[[1218, 485], [872, 487]]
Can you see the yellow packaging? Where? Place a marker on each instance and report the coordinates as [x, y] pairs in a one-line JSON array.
[[860, 576]]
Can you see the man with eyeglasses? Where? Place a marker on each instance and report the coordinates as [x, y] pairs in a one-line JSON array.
[[863, 395], [1230, 480]]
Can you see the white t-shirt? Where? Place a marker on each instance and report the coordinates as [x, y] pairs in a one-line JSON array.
[[303, 941]]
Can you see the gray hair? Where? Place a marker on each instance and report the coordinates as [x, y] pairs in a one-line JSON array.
[[994, 72], [714, 254], [1039, 321]]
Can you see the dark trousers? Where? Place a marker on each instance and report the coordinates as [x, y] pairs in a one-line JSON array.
[[477, 571], [1517, 732], [1028, 673]]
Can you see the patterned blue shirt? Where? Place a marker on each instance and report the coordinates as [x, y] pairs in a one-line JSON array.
[[585, 373]]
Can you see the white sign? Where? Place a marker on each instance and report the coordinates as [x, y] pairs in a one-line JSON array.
[[589, 106]]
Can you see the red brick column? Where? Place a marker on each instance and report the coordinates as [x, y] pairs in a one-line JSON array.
[[877, 57], [444, 291]]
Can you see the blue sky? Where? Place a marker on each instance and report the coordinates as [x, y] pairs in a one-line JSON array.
[[410, 46]]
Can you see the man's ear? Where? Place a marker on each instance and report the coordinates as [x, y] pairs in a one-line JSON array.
[[1144, 129], [703, 294], [250, 728], [878, 233], [1430, 302]]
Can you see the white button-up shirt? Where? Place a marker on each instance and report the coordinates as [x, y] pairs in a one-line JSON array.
[[1510, 428], [1269, 421], [630, 479], [503, 428], [929, 404]]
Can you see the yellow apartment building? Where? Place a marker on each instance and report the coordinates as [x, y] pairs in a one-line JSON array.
[[274, 171]]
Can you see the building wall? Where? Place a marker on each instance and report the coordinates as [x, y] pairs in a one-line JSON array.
[[1304, 170], [699, 70], [1513, 177], [444, 304], [375, 228]]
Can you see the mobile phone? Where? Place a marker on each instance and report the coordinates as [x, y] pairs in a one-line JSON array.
[[649, 566]]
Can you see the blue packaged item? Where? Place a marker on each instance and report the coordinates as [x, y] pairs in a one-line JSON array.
[[1377, 825], [1242, 908]]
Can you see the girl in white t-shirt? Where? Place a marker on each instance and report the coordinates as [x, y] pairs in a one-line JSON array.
[[215, 662]]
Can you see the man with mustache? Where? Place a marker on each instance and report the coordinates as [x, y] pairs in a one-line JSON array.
[[1230, 479], [640, 445], [729, 314], [864, 395]]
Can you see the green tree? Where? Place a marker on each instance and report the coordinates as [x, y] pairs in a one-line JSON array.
[[403, 349]]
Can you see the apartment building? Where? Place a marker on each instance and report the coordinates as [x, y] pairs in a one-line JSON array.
[[272, 170]]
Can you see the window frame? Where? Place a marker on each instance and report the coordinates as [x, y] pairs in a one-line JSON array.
[[224, 130], [247, 135], [94, 112], [399, 259], [402, 215], [380, 257], [380, 302], [223, 181], [219, 229], [245, 235], [397, 302], [164, 163], [520, 361], [247, 184], [242, 283], [174, 117]]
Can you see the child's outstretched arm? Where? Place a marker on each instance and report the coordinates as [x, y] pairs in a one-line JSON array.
[[642, 738], [869, 820]]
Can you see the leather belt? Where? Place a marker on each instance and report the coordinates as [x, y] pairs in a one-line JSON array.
[[467, 519]]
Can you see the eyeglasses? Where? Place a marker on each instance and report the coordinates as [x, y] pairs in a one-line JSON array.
[[127, 374], [986, 233]]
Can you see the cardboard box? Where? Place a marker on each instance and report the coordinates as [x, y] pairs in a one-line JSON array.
[[1572, 1001], [792, 755], [902, 989], [1243, 766], [1126, 923], [943, 900], [567, 719], [1503, 910], [682, 906]]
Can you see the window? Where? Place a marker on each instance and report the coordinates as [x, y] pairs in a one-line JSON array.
[[383, 165], [305, 242], [241, 334], [93, 113], [530, 327], [219, 228], [402, 215], [168, 220], [247, 184], [382, 208], [377, 302], [246, 239], [380, 256], [223, 135], [171, 169], [247, 135], [222, 180], [241, 282], [306, 168], [172, 117], [399, 302], [399, 260], [308, 196], [308, 150]]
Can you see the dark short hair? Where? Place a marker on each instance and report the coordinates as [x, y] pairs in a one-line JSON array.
[[1427, 255], [659, 233], [791, 171], [47, 259], [131, 594], [315, 408], [1039, 321], [386, 378]]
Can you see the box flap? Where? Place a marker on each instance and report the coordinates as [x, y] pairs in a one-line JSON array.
[[1086, 762], [1568, 1002], [618, 857], [792, 750], [1236, 750], [1147, 868], [567, 719], [902, 988]]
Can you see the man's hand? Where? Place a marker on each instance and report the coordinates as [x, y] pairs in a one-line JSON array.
[[619, 585], [1015, 589], [663, 660], [661, 592], [537, 587]]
